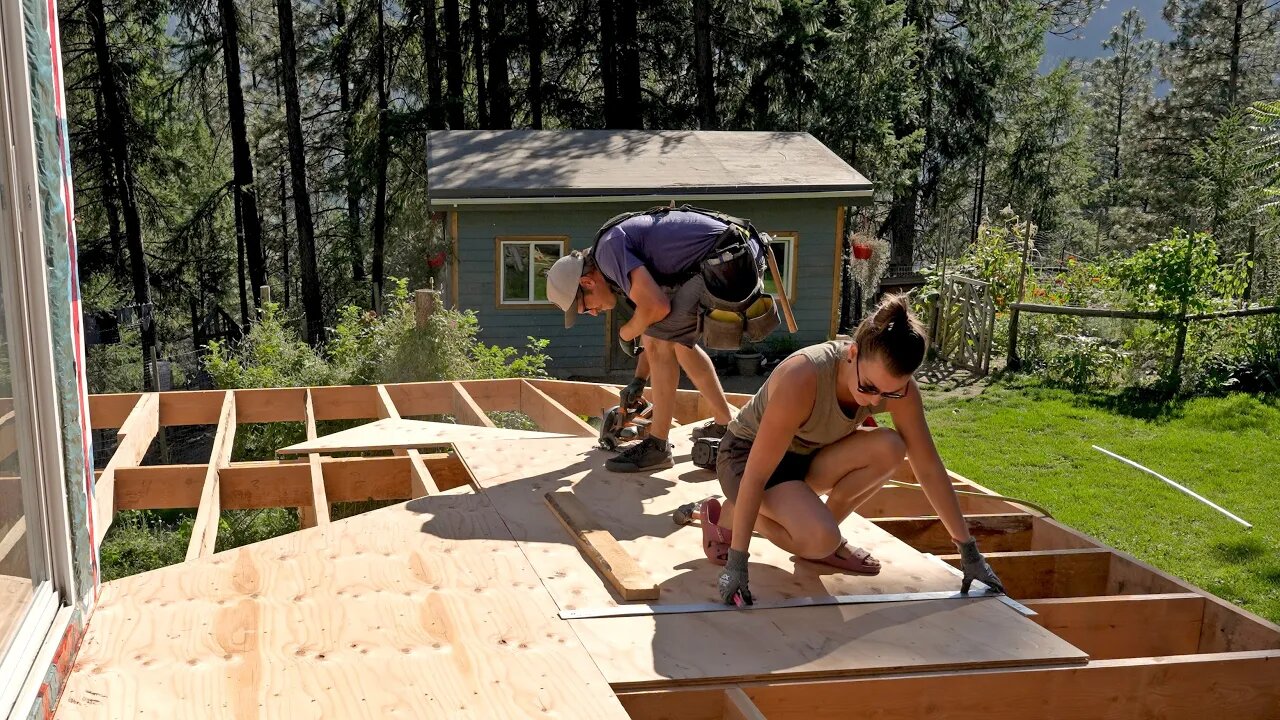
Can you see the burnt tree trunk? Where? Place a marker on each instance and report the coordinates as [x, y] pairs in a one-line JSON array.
[[499, 83], [115, 106], [242, 161], [381, 158], [628, 64], [535, 64], [350, 169], [431, 48], [475, 18], [453, 65], [702, 63], [608, 66], [311, 303]]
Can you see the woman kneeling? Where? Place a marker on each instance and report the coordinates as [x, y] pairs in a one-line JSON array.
[[803, 437]]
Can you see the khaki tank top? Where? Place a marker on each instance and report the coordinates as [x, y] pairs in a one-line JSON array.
[[827, 422]]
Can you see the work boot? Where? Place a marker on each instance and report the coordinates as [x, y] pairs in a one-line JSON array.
[[709, 429], [648, 454]]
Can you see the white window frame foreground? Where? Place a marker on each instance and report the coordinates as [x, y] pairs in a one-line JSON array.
[[791, 239], [35, 401]]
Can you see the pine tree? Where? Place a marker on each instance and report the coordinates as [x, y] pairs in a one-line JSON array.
[[1121, 92]]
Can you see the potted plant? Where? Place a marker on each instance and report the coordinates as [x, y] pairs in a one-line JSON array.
[[748, 359]]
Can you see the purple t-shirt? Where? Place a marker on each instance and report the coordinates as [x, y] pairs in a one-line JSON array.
[[667, 244]]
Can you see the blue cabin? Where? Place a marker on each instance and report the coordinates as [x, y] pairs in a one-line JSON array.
[[515, 200]]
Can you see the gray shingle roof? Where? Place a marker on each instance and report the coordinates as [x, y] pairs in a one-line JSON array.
[[544, 164]]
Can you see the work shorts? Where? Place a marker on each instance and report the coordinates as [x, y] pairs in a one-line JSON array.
[[683, 324], [731, 462]]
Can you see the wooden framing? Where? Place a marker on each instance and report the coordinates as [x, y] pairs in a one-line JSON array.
[[421, 483], [133, 438], [204, 533], [1157, 646], [318, 512]]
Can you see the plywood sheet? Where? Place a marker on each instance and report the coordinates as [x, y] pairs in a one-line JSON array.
[[636, 509], [399, 433], [639, 652], [417, 610]]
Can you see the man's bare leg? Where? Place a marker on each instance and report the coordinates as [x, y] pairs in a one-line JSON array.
[[664, 377], [697, 365]]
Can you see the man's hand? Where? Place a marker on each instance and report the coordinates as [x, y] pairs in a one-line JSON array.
[[632, 393], [733, 581], [632, 348], [975, 567]]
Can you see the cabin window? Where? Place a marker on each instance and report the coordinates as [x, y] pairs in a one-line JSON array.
[[522, 268]]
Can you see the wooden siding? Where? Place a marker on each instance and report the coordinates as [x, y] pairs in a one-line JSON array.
[[582, 350]]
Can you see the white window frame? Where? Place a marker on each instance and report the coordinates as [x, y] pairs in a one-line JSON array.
[[500, 245], [35, 401], [791, 239]]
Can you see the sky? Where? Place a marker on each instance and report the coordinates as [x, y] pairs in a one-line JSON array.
[[1089, 43]]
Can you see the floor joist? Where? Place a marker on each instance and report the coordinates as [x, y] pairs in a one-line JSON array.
[[204, 531]]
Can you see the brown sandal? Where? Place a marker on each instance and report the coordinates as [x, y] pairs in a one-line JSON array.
[[861, 563]]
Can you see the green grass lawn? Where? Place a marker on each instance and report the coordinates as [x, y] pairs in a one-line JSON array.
[[1033, 442]]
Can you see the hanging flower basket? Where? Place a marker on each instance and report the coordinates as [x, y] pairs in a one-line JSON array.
[[862, 251]]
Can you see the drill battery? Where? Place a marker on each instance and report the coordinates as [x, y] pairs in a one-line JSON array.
[[704, 452]]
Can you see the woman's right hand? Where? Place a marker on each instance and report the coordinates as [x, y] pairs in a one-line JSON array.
[[733, 581]]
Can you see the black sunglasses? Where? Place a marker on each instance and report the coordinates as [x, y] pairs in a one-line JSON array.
[[872, 389]]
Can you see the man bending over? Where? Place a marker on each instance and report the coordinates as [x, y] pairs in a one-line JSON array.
[[654, 260]]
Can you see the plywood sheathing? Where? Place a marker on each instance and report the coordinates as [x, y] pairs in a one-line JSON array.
[[636, 508], [415, 610], [794, 643]]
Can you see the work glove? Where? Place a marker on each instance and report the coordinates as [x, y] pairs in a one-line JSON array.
[[975, 567], [632, 393], [632, 348], [733, 581]]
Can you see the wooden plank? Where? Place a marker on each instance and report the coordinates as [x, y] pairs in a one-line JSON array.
[[392, 434], [495, 394], [109, 410], [799, 643], [345, 402], [421, 398], [599, 545], [132, 440], [737, 706], [420, 481], [670, 704], [550, 415], [418, 610], [1000, 532], [317, 512], [580, 398], [1049, 534], [466, 409], [1125, 626], [204, 531], [256, 405], [251, 484], [1049, 573], [893, 501], [1240, 686], [1227, 628]]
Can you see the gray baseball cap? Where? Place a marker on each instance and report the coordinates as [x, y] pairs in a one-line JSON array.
[[563, 287]]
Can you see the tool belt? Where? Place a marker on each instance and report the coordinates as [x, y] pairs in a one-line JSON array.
[[734, 304]]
